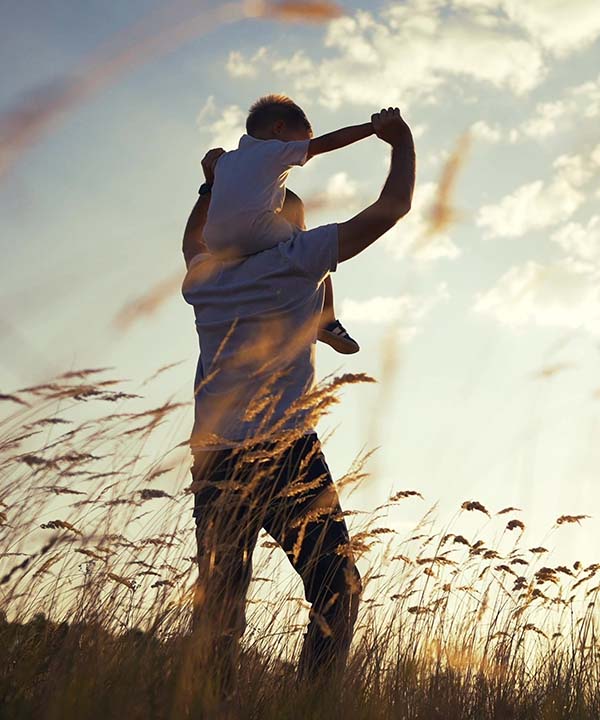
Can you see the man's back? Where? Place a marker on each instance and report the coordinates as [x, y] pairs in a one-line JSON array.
[[257, 321]]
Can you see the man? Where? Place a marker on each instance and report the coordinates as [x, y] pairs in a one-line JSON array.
[[257, 460]]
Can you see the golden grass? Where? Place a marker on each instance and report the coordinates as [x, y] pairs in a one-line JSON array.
[[97, 578]]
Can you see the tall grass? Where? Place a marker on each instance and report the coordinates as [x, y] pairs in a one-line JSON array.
[[97, 574]]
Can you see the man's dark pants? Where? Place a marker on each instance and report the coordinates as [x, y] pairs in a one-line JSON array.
[[289, 493]]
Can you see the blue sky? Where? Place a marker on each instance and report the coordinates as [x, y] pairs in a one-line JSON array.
[[92, 215]]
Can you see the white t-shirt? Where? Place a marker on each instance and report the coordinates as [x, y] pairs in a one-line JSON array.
[[249, 183], [257, 321]]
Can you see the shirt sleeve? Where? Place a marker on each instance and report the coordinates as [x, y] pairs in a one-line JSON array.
[[313, 252], [291, 153]]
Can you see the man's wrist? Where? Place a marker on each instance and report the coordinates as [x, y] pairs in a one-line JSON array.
[[404, 142], [205, 188]]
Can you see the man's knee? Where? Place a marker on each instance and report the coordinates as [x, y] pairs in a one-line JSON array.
[[335, 588]]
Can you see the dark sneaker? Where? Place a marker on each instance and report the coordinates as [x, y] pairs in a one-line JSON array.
[[336, 335]]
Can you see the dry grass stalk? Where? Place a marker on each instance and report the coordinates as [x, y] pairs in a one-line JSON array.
[[436, 605]]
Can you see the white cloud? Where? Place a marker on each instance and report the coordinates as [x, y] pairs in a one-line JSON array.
[[403, 311], [223, 128], [564, 293], [559, 26], [409, 52], [298, 64], [561, 294], [556, 25], [409, 236], [240, 67], [541, 203], [545, 120], [581, 242], [482, 130], [340, 193], [207, 111], [378, 310], [341, 186], [581, 102]]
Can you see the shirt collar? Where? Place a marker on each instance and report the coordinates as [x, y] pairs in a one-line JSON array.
[[246, 140]]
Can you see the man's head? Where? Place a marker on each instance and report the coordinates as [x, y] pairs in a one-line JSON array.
[[277, 117], [293, 209]]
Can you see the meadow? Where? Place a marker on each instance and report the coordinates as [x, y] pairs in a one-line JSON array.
[[97, 571]]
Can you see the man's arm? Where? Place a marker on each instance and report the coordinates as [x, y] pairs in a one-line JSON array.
[[339, 139], [395, 198], [193, 240]]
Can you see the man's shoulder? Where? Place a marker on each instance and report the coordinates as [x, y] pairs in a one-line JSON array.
[[201, 268], [309, 254], [314, 252]]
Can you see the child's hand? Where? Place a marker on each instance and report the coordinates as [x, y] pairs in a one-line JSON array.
[[208, 163]]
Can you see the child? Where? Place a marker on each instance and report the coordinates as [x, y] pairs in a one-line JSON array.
[[249, 188]]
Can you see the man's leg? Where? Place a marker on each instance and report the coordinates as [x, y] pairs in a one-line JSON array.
[[305, 518], [226, 534]]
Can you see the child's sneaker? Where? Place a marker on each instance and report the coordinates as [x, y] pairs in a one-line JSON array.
[[336, 335]]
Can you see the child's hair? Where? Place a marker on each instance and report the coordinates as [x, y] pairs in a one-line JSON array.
[[270, 108]]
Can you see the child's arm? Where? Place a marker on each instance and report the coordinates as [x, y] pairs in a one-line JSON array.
[[339, 138], [193, 240]]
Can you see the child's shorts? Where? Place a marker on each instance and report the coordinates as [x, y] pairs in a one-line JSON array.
[[237, 238]]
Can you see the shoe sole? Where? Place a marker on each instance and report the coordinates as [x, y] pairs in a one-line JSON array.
[[338, 343]]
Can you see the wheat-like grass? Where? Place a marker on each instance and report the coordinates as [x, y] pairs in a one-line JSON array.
[[97, 582]]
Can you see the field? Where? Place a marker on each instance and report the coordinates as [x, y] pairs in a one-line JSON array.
[[96, 590]]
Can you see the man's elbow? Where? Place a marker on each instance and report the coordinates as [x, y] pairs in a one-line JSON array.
[[393, 209], [404, 208]]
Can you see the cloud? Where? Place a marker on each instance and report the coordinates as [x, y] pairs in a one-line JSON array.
[[559, 27], [403, 311], [239, 67], [581, 102], [481, 130], [223, 128], [378, 310], [541, 203], [340, 193], [410, 51], [581, 242], [562, 294], [545, 120], [405, 239]]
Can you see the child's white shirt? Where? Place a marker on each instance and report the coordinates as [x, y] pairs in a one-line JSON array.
[[249, 183]]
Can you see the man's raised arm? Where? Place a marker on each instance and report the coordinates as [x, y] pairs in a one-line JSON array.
[[193, 240], [396, 196]]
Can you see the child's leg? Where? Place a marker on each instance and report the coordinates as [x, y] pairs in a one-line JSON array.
[[328, 314], [331, 331]]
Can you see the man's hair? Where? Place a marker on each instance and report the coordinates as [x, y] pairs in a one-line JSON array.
[[270, 108], [293, 209]]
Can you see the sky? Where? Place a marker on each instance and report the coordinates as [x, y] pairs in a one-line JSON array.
[[483, 337]]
